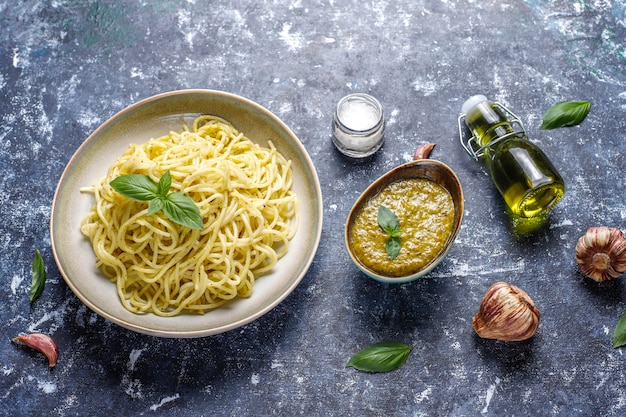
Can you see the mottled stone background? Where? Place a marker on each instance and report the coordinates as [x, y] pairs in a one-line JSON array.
[[66, 66]]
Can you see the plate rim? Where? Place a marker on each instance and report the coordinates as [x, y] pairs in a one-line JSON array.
[[92, 137]]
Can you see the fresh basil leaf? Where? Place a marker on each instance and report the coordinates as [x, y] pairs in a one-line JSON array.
[[181, 209], [393, 246], [155, 205], [619, 334], [565, 114], [38, 276], [387, 219], [389, 222], [380, 357], [177, 206], [165, 182], [136, 187]]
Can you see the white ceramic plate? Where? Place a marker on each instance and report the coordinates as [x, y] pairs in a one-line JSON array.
[[154, 117]]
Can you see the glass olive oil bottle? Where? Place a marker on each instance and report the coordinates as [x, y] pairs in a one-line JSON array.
[[523, 174]]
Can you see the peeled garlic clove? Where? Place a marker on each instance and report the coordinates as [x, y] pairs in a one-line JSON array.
[[601, 253], [506, 313], [43, 343]]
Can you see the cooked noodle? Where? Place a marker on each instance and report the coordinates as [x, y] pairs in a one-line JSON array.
[[249, 211]]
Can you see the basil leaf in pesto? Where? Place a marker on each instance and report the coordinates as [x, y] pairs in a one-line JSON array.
[[390, 223], [393, 246], [38, 276], [380, 357], [619, 334], [565, 114], [387, 220]]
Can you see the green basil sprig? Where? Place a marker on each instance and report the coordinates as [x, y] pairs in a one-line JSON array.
[[619, 334], [565, 114], [389, 222], [380, 357], [178, 207], [38, 276]]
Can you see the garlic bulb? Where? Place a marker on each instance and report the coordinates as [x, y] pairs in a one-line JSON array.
[[506, 313], [601, 253]]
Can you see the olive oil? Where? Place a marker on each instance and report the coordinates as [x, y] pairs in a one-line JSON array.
[[527, 180]]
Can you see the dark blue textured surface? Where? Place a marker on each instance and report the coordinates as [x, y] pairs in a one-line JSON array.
[[66, 66]]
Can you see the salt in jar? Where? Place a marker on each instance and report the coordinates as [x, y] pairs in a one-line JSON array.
[[358, 125]]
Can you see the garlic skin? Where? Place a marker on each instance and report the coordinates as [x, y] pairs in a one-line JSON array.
[[43, 343], [601, 253], [506, 313], [423, 151]]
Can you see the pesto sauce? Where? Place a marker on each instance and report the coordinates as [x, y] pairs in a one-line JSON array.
[[426, 214]]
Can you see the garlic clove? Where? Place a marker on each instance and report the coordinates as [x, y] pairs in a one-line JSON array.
[[601, 253], [43, 343], [506, 313], [423, 151]]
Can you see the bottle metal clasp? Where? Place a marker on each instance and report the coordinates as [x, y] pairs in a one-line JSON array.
[[472, 146]]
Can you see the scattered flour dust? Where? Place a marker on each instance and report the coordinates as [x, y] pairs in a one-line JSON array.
[[132, 387], [16, 283], [426, 87], [424, 395], [47, 387], [68, 402], [88, 119], [294, 41], [164, 401], [255, 379], [275, 364], [134, 355], [393, 117], [52, 319], [490, 391]]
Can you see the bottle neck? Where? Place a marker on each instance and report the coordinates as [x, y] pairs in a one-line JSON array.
[[487, 122]]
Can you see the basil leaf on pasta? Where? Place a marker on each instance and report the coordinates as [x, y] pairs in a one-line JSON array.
[[178, 207], [165, 182], [181, 209], [155, 205], [136, 187]]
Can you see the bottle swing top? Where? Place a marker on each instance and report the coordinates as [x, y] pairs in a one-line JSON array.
[[473, 145]]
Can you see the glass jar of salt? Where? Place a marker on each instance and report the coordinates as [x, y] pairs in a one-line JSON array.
[[358, 125]]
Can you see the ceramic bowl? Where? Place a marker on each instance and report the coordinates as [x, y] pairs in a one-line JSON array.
[[153, 117], [429, 169]]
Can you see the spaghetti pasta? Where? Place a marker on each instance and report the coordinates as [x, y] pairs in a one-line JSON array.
[[244, 193]]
